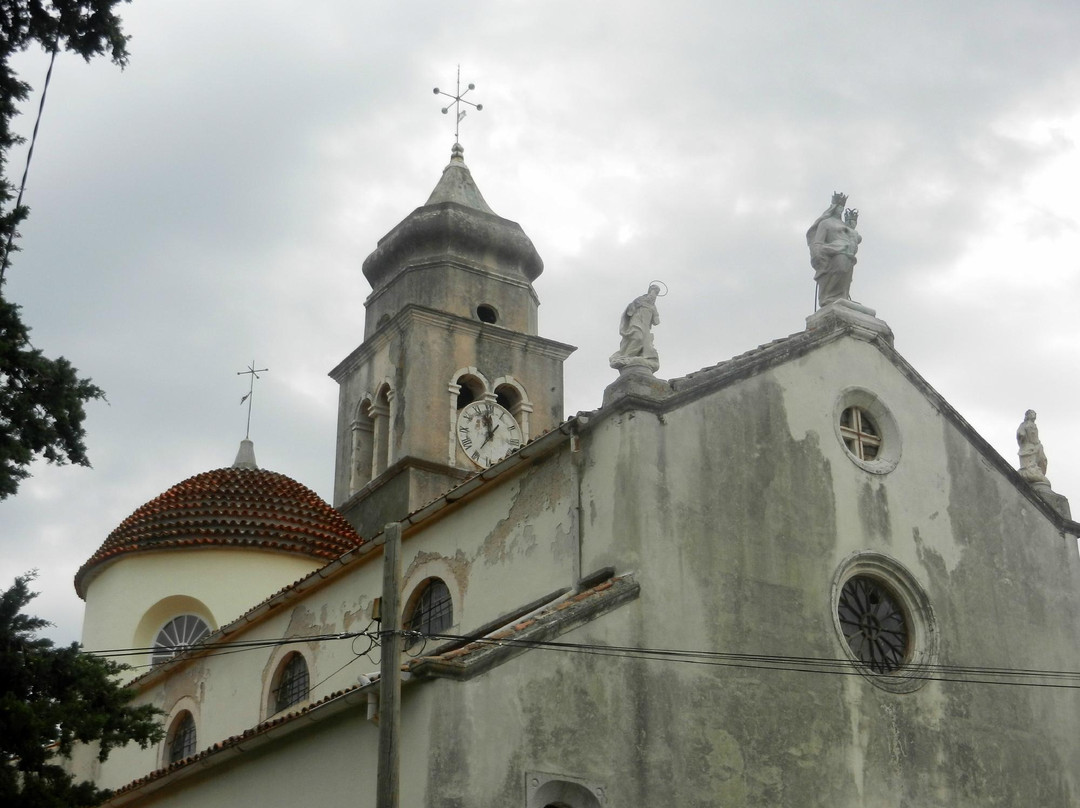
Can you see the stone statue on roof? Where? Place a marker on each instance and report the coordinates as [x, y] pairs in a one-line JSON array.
[[833, 242], [1032, 456], [636, 350]]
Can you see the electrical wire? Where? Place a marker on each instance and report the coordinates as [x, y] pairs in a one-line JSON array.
[[845, 667], [29, 154], [967, 674]]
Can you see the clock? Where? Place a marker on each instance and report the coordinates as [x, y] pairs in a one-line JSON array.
[[487, 432]]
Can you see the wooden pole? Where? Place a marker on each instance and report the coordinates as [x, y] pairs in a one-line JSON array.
[[390, 670]]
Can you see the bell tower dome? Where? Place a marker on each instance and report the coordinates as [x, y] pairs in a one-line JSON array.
[[452, 374]]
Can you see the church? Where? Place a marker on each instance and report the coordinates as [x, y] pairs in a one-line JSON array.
[[797, 577]]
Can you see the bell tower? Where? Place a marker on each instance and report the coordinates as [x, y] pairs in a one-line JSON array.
[[451, 375]]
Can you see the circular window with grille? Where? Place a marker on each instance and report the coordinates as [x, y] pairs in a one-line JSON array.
[[873, 621], [867, 431], [884, 621]]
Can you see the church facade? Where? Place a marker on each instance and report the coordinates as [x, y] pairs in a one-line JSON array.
[[795, 578]]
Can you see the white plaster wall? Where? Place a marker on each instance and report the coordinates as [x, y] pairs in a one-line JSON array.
[[504, 549], [227, 582]]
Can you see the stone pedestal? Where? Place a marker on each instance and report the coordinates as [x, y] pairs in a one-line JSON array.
[[841, 313], [636, 381], [1058, 502]]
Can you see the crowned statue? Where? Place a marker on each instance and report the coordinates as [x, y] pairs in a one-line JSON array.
[[833, 242]]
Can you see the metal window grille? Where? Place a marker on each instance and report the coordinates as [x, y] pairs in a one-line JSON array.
[[178, 634], [874, 624], [182, 743], [293, 685], [433, 611]]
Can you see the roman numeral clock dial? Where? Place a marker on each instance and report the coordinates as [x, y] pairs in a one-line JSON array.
[[487, 432]]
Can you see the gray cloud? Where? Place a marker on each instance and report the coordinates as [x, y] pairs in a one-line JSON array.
[[214, 203]]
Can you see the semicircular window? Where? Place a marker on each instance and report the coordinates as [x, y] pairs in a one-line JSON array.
[[177, 635], [874, 624]]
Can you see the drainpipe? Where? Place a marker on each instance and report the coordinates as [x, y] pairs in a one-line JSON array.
[[577, 460]]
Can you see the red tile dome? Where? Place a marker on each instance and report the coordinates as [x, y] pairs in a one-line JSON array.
[[230, 507]]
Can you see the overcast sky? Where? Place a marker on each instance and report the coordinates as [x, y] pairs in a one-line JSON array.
[[213, 204]]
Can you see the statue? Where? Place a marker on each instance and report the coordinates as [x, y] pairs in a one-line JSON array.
[[636, 349], [1032, 456], [833, 243]]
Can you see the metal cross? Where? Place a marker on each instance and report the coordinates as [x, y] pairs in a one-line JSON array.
[[253, 372], [459, 99]]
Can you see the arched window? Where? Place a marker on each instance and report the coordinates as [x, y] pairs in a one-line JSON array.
[[177, 635], [180, 740], [363, 448], [380, 425], [430, 610], [508, 398], [471, 389], [512, 397], [563, 794], [292, 685]]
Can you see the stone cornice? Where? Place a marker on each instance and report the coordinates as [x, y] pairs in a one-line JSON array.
[[701, 383], [413, 313]]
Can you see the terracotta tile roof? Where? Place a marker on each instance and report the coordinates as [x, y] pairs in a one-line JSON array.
[[462, 661], [554, 619], [231, 507]]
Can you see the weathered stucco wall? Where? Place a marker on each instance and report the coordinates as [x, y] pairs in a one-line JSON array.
[[419, 356], [736, 510], [226, 582], [507, 548]]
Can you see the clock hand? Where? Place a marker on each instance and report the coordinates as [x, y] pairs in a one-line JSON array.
[[490, 435]]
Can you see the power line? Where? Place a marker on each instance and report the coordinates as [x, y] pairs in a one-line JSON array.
[[967, 674], [29, 154], [844, 667]]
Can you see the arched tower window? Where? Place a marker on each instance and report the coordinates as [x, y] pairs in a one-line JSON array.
[[291, 683], [380, 419], [511, 395], [177, 635], [181, 738], [363, 447], [466, 386], [470, 388]]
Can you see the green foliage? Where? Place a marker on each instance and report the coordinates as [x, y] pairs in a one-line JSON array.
[[41, 404], [51, 698], [41, 399]]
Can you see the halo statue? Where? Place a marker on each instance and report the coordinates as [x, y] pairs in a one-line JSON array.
[[636, 350]]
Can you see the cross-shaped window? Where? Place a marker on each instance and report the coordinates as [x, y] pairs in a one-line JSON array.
[[860, 434]]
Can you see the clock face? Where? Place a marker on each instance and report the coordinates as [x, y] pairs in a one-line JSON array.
[[487, 432]]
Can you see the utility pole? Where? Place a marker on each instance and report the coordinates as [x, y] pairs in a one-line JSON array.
[[390, 670]]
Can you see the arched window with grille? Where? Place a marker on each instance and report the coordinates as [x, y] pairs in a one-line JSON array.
[[292, 683], [181, 738], [430, 609]]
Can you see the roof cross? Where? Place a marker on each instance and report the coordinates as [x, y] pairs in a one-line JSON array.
[[459, 99], [253, 372]]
